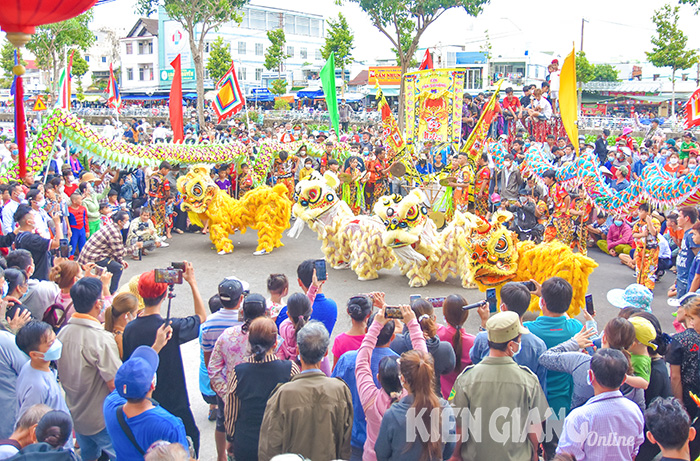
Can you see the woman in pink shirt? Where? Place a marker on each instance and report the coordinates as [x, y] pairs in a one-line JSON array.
[[359, 310], [376, 401], [454, 334]]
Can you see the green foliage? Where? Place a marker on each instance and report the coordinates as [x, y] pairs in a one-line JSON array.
[[219, 59], [669, 43], [406, 29], [278, 87], [486, 47], [7, 59], [281, 104], [585, 71], [80, 66], [276, 53], [339, 40], [605, 73]]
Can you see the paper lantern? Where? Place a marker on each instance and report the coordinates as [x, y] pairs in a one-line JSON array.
[[18, 18]]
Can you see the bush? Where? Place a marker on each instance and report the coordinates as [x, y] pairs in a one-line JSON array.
[[281, 104]]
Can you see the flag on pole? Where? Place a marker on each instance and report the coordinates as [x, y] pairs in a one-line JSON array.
[[229, 98], [390, 129], [328, 84], [114, 99], [62, 100], [427, 60], [70, 67], [692, 110], [568, 100], [482, 126], [175, 102], [20, 121]]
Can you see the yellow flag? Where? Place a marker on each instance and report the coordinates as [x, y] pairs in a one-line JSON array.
[[568, 102]]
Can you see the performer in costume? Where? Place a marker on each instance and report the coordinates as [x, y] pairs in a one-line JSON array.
[[463, 178], [580, 210], [481, 187], [283, 171], [646, 236], [352, 191], [245, 181], [159, 191], [377, 183], [559, 225]]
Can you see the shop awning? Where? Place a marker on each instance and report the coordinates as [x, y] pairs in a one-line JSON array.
[[387, 90], [352, 97], [311, 94]]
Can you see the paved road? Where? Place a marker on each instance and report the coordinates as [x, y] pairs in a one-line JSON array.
[[211, 268]]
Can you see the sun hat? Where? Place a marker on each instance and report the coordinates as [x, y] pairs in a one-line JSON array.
[[635, 295]]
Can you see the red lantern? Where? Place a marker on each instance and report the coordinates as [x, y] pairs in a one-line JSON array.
[[18, 18]]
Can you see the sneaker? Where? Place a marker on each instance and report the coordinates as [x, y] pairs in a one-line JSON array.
[[164, 244], [260, 252]]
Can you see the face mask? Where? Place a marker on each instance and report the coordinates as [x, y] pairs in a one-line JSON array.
[[507, 164], [644, 158], [611, 158], [54, 352], [126, 224], [673, 161], [617, 222], [523, 200], [22, 196], [589, 380], [4, 288], [515, 354], [692, 166], [41, 203]]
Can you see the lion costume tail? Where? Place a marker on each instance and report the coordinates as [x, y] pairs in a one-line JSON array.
[[267, 209]]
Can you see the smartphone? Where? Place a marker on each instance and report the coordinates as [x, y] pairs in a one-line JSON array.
[[393, 312], [320, 265], [491, 299], [530, 285], [169, 276], [99, 270], [590, 308], [413, 299], [64, 248], [180, 266], [436, 302]]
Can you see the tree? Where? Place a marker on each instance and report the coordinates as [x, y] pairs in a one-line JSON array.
[[198, 18], [281, 104], [276, 54], [7, 62], [670, 46], [403, 22], [50, 42], [278, 87], [339, 40], [605, 73], [219, 59], [585, 72], [79, 68]]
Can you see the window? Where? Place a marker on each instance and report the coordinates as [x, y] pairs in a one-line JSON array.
[[302, 25], [290, 51], [148, 47], [142, 73], [241, 73], [207, 76], [315, 28], [140, 45], [259, 49], [129, 74], [206, 47], [258, 73], [303, 54], [257, 20], [87, 58], [104, 58], [318, 56], [129, 48], [241, 47], [289, 24]]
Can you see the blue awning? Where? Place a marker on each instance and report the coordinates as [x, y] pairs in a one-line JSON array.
[[260, 97], [190, 95], [311, 94]]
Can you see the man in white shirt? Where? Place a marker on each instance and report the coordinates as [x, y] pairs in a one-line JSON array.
[[8, 211], [160, 133], [539, 109]]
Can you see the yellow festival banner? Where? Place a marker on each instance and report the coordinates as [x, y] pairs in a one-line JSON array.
[[433, 105], [390, 129], [568, 99], [481, 129]]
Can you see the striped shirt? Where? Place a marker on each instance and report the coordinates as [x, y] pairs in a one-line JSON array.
[[215, 325], [232, 403]]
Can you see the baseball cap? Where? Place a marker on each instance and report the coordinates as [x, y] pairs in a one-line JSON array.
[[231, 289], [148, 288], [133, 379], [635, 295], [683, 300], [504, 327], [644, 331]]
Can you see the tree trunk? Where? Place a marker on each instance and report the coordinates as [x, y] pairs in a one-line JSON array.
[[197, 50], [402, 107], [673, 93]]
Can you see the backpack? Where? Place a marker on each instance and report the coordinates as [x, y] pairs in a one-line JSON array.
[[55, 314], [43, 451]]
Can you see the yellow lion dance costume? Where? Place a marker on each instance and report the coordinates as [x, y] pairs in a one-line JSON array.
[[267, 209], [422, 250], [496, 259], [347, 240]]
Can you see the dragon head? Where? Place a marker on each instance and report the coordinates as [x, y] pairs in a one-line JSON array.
[[316, 196], [494, 257], [197, 189], [405, 218]]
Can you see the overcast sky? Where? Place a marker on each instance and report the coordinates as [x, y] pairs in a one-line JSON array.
[[616, 31]]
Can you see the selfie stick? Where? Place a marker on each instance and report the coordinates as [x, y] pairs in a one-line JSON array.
[[171, 295]]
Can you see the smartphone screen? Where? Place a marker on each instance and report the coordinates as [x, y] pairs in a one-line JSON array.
[[320, 265], [393, 312], [491, 299], [530, 285], [413, 299], [590, 308]]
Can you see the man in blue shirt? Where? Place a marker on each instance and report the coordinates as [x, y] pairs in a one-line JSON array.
[[133, 421], [345, 370], [325, 310], [687, 216]]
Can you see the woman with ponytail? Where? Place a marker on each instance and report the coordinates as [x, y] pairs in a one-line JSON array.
[[65, 274], [418, 376], [299, 313], [442, 352], [377, 400], [122, 311], [231, 348], [359, 310], [250, 385], [618, 334], [454, 334]]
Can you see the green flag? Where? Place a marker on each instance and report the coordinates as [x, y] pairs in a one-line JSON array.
[[328, 83]]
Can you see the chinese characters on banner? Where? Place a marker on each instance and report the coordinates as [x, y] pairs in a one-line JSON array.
[[434, 105], [692, 110], [390, 129]]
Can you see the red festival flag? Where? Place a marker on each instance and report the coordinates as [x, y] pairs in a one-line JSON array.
[[229, 97], [427, 61], [175, 103], [692, 110], [114, 99]]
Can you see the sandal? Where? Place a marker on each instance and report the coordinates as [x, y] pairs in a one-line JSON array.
[[212, 414], [179, 231]]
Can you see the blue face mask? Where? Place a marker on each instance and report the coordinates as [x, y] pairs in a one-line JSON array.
[[617, 222], [520, 348], [54, 352]]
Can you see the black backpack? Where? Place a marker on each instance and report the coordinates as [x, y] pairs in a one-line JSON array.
[[43, 452]]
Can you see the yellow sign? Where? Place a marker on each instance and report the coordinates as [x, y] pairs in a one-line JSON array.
[[39, 104], [390, 75], [434, 105]]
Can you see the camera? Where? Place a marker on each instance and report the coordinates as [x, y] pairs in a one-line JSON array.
[[169, 276]]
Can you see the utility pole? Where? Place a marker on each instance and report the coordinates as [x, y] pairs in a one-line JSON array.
[[583, 21]]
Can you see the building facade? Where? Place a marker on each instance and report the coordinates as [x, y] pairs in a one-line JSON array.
[[139, 58]]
